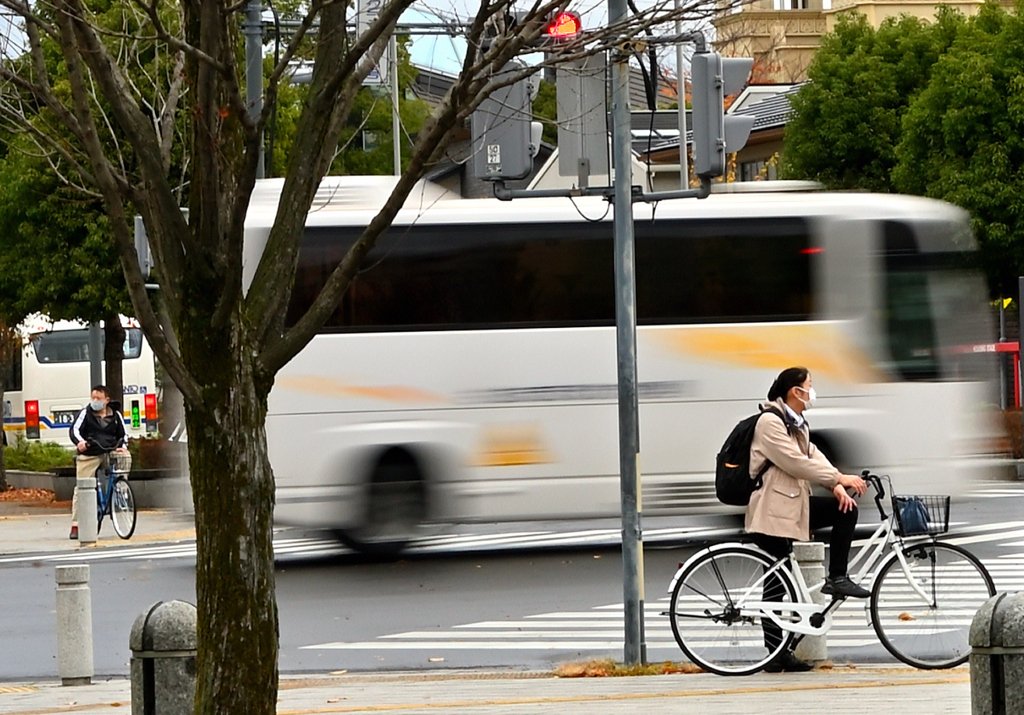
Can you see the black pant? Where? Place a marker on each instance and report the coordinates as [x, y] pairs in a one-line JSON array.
[[824, 512]]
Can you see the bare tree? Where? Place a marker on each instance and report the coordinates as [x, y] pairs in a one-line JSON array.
[[109, 125]]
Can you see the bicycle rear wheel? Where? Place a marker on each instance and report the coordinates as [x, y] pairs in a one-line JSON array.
[[122, 508], [929, 632], [710, 620]]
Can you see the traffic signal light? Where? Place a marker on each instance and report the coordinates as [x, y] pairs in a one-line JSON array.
[[563, 27], [151, 414], [713, 78], [32, 419], [560, 29]]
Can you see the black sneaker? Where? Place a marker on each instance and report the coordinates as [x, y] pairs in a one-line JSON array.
[[843, 586], [786, 662]]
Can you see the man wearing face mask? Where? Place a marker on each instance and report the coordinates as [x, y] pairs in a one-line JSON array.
[[783, 510], [98, 429]]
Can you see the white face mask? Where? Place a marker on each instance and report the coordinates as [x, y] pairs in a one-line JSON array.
[[97, 405], [811, 397]]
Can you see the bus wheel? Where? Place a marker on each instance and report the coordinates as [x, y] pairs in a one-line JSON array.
[[395, 507]]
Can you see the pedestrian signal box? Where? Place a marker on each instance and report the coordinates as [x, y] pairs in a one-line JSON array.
[[501, 131]]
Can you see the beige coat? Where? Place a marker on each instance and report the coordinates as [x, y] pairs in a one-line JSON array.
[[782, 506]]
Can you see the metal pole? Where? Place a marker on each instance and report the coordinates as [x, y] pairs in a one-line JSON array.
[[1020, 345], [625, 333], [1002, 356], [252, 28], [395, 120], [684, 169]]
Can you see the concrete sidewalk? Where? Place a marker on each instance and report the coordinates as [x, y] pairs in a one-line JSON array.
[[839, 691], [31, 528]]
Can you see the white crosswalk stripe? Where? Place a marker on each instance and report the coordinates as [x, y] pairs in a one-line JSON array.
[[600, 630]]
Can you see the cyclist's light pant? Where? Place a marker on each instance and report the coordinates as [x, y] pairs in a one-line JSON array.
[[85, 466]]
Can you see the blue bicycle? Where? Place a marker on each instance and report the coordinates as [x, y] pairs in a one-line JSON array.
[[114, 494]]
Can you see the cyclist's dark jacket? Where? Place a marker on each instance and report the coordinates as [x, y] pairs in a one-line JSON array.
[[102, 434]]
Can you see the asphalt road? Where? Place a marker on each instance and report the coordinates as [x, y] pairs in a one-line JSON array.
[[532, 602]]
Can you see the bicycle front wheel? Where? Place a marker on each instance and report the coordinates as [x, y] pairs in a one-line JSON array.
[[100, 511], [122, 508], [922, 614], [711, 618]]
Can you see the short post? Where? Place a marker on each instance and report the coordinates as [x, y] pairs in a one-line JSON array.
[[74, 625], [163, 668], [997, 656], [87, 508], [810, 556]]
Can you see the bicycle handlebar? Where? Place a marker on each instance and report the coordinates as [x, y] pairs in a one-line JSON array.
[[93, 443], [876, 481]]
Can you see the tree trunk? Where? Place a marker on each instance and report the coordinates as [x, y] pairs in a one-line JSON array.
[[113, 354], [3, 440], [233, 492]]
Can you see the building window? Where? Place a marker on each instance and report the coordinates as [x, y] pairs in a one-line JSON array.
[[760, 170]]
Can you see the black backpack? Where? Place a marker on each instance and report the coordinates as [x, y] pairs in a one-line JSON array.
[[733, 481]]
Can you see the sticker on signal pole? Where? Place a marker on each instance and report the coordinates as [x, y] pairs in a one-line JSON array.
[[368, 12]]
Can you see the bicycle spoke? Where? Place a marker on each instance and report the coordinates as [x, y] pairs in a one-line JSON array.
[[123, 512], [729, 638], [922, 613], [721, 581]]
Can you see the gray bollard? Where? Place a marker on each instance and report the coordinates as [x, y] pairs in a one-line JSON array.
[[997, 656], [810, 555], [163, 667], [74, 625], [87, 508]]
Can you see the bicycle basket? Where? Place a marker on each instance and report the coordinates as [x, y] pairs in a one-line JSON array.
[[121, 462], [921, 514]]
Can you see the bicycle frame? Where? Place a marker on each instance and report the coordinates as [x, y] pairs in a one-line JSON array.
[[799, 615], [105, 492]]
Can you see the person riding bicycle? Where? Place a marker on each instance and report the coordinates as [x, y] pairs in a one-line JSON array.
[[783, 509], [97, 430]]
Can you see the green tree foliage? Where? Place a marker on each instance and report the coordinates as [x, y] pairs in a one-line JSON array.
[[963, 138], [56, 257], [545, 111], [847, 121]]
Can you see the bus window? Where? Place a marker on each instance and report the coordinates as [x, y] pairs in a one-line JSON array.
[[480, 276], [73, 345], [931, 305], [132, 343]]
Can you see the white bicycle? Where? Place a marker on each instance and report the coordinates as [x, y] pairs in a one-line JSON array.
[[924, 595]]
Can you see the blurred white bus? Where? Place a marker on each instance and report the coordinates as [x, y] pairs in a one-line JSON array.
[[470, 372], [50, 380]]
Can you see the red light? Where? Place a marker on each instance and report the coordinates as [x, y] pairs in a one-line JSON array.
[[811, 251], [150, 407], [565, 26], [32, 419]]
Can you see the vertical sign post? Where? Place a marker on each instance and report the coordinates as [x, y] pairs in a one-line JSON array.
[[369, 11], [625, 339]]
